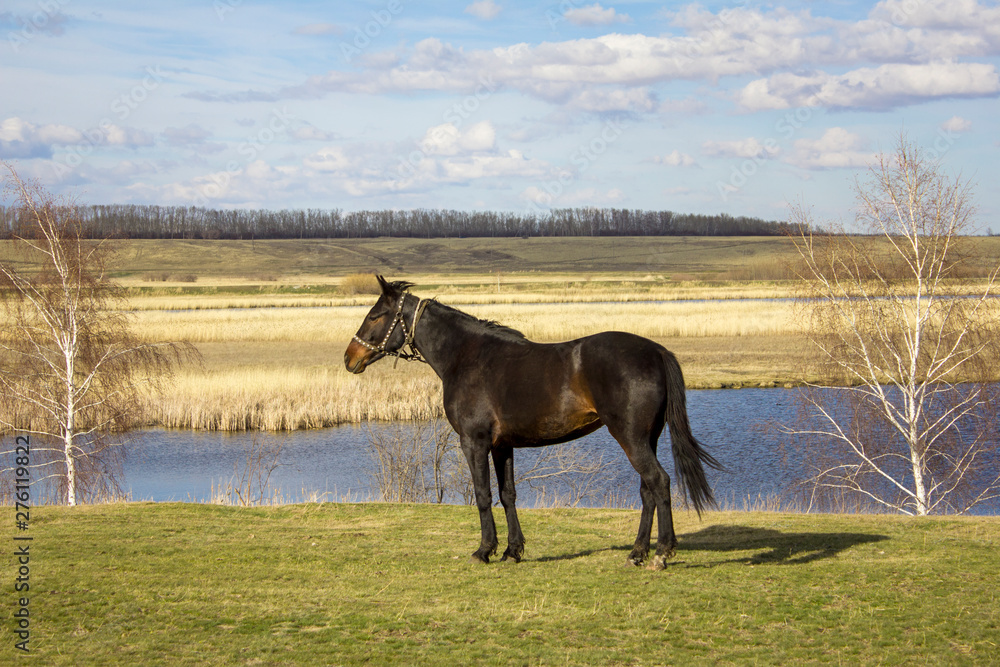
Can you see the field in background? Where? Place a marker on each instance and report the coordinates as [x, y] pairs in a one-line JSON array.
[[272, 318], [282, 368], [676, 258]]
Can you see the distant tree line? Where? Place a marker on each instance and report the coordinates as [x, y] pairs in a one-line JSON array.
[[179, 222]]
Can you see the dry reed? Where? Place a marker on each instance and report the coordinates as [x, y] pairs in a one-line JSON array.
[[542, 322], [296, 398], [280, 369], [273, 393]]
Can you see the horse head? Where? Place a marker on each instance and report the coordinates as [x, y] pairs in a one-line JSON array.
[[385, 330]]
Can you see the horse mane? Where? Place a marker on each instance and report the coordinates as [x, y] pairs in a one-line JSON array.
[[489, 327], [396, 288]]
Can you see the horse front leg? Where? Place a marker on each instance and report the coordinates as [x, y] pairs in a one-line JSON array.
[[477, 454], [503, 463]]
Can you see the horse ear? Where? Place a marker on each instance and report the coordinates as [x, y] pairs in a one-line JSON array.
[[383, 284]]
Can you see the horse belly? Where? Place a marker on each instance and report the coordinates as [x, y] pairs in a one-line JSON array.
[[540, 427]]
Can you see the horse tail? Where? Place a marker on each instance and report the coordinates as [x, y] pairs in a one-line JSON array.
[[689, 454]]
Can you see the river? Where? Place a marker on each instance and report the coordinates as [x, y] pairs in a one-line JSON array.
[[740, 427]]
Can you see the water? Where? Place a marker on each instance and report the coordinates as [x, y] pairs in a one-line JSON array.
[[739, 427], [167, 465]]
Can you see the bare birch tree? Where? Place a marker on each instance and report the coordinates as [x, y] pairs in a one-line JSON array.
[[913, 430], [72, 372]]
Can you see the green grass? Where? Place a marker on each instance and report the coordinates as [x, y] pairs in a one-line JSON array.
[[155, 584]]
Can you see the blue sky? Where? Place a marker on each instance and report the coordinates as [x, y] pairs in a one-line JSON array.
[[734, 107]]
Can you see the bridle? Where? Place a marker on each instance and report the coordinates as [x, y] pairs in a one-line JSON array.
[[408, 333]]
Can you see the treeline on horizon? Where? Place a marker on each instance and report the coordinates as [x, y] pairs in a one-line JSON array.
[[133, 221]]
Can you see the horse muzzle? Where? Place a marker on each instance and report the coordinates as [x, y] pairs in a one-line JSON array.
[[357, 358]]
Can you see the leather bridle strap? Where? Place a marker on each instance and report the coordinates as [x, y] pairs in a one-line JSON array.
[[408, 333]]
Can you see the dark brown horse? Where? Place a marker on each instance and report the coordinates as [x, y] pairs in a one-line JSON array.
[[503, 391]]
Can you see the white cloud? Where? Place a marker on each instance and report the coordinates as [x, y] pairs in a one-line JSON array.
[[937, 14], [800, 58], [836, 149], [22, 139], [593, 15], [740, 148], [308, 132], [329, 159], [188, 135], [884, 87], [447, 139], [486, 10], [251, 186], [675, 159], [640, 99], [956, 124], [129, 137], [491, 166]]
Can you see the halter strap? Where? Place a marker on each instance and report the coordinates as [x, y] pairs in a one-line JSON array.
[[408, 333]]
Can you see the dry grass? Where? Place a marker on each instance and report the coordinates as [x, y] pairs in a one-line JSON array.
[[284, 369], [542, 322], [270, 398]]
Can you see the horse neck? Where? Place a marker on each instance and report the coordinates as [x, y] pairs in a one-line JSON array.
[[438, 339]]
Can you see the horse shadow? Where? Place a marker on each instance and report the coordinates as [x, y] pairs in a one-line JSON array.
[[768, 546]]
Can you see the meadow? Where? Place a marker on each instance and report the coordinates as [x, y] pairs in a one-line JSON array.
[[344, 584]]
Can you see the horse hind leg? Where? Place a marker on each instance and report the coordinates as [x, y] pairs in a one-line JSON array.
[[641, 548], [657, 484], [503, 463]]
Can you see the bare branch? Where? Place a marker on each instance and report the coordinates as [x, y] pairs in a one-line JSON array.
[[911, 434]]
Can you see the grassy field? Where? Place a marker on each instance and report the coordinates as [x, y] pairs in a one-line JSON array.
[[342, 584], [678, 257]]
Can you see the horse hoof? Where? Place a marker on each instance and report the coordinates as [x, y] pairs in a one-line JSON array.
[[637, 558], [659, 562], [512, 554], [479, 558]]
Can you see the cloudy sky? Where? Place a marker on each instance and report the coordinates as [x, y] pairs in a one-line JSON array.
[[736, 107]]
